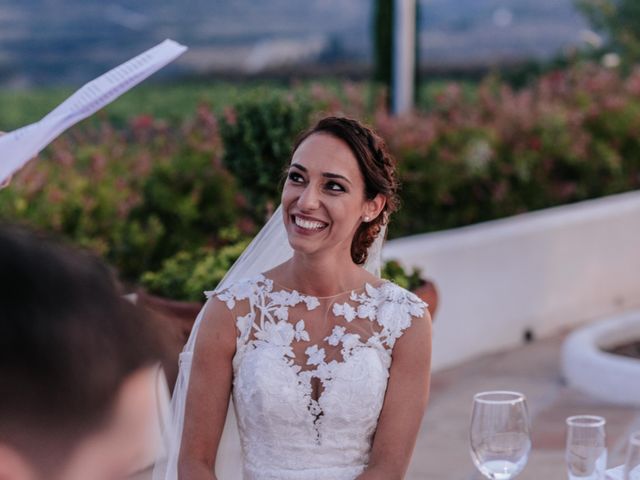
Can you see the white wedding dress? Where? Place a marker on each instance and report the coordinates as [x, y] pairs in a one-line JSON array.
[[310, 375]]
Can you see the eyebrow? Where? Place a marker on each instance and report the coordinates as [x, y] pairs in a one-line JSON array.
[[324, 174]]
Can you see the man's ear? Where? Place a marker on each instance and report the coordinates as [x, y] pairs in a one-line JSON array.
[[13, 466], [374, 206]]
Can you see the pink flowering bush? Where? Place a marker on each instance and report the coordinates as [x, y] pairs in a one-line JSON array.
[[144, 193], [573, 135], [135, 196]]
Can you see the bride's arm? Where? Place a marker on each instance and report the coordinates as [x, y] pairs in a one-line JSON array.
[[404, 404], [208, 394]]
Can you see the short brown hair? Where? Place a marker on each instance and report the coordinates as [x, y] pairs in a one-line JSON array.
[[378, 168], [68, 342]]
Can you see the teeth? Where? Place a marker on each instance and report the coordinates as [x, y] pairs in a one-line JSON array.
[[309, 225]]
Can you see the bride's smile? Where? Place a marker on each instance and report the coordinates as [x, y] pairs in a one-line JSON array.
[[307, 224]]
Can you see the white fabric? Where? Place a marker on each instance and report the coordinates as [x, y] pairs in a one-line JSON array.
[[310, 375], [269, 249]]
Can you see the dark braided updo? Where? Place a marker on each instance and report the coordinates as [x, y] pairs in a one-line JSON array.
[[378, 168]]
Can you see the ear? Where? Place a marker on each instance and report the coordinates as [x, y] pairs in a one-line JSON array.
[[374, 206], [13, 465]]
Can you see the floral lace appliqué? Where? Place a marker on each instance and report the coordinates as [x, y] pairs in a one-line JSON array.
[[272, 321]]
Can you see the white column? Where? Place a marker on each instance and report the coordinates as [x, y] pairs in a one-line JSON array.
[[403, 56]]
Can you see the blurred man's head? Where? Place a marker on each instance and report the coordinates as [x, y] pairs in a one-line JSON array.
[[78, 366]]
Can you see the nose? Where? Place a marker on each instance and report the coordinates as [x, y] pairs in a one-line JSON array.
[[308, 199]]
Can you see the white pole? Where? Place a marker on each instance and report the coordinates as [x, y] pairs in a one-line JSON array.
[[403, 57]]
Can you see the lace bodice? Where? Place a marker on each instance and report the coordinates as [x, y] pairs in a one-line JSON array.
[[310, 375]]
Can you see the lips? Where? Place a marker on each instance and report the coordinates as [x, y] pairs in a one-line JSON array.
[[309, 224]]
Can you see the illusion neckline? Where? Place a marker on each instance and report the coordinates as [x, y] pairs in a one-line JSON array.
[[383, 282]]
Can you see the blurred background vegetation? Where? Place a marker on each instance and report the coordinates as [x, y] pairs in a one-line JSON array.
[[170, 182]]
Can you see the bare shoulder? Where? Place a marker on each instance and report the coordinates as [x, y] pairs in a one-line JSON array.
[[224, 307], [217, 330], [420, 328]]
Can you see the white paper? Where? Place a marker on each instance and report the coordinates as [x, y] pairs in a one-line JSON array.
[[19, 146]]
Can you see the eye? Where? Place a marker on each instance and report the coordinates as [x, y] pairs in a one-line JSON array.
[[335, 187], [295, 177]]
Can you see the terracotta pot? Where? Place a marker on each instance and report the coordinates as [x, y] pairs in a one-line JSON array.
[[175, 320], [182, 313], [428, 292]]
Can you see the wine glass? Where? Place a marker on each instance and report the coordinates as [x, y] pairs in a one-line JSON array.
[[500, 434], [586, 452], [632, 463]]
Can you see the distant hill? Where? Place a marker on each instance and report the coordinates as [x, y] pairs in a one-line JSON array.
[[485, 31], [52, 42]]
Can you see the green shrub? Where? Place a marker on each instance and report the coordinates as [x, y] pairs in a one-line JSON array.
[[258, 134], [191, 199], [135, 196], [392, 270], [186, 275], [619, 21]]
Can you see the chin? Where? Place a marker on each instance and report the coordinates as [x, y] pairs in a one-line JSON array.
[[302, 245], [307, 246], [314, 247]]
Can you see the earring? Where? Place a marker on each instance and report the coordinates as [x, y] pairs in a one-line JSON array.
[[366, 219]]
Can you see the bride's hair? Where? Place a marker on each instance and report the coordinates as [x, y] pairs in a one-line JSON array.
[[378, 168]]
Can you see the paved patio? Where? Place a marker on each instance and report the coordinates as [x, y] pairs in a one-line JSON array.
[[534, 369]]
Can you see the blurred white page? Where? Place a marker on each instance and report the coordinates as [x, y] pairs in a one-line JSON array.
[[17, 147]]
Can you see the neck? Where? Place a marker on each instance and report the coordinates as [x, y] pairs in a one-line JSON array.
[[323, 276]]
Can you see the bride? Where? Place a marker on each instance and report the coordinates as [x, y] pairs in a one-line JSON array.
[[328, 365]]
